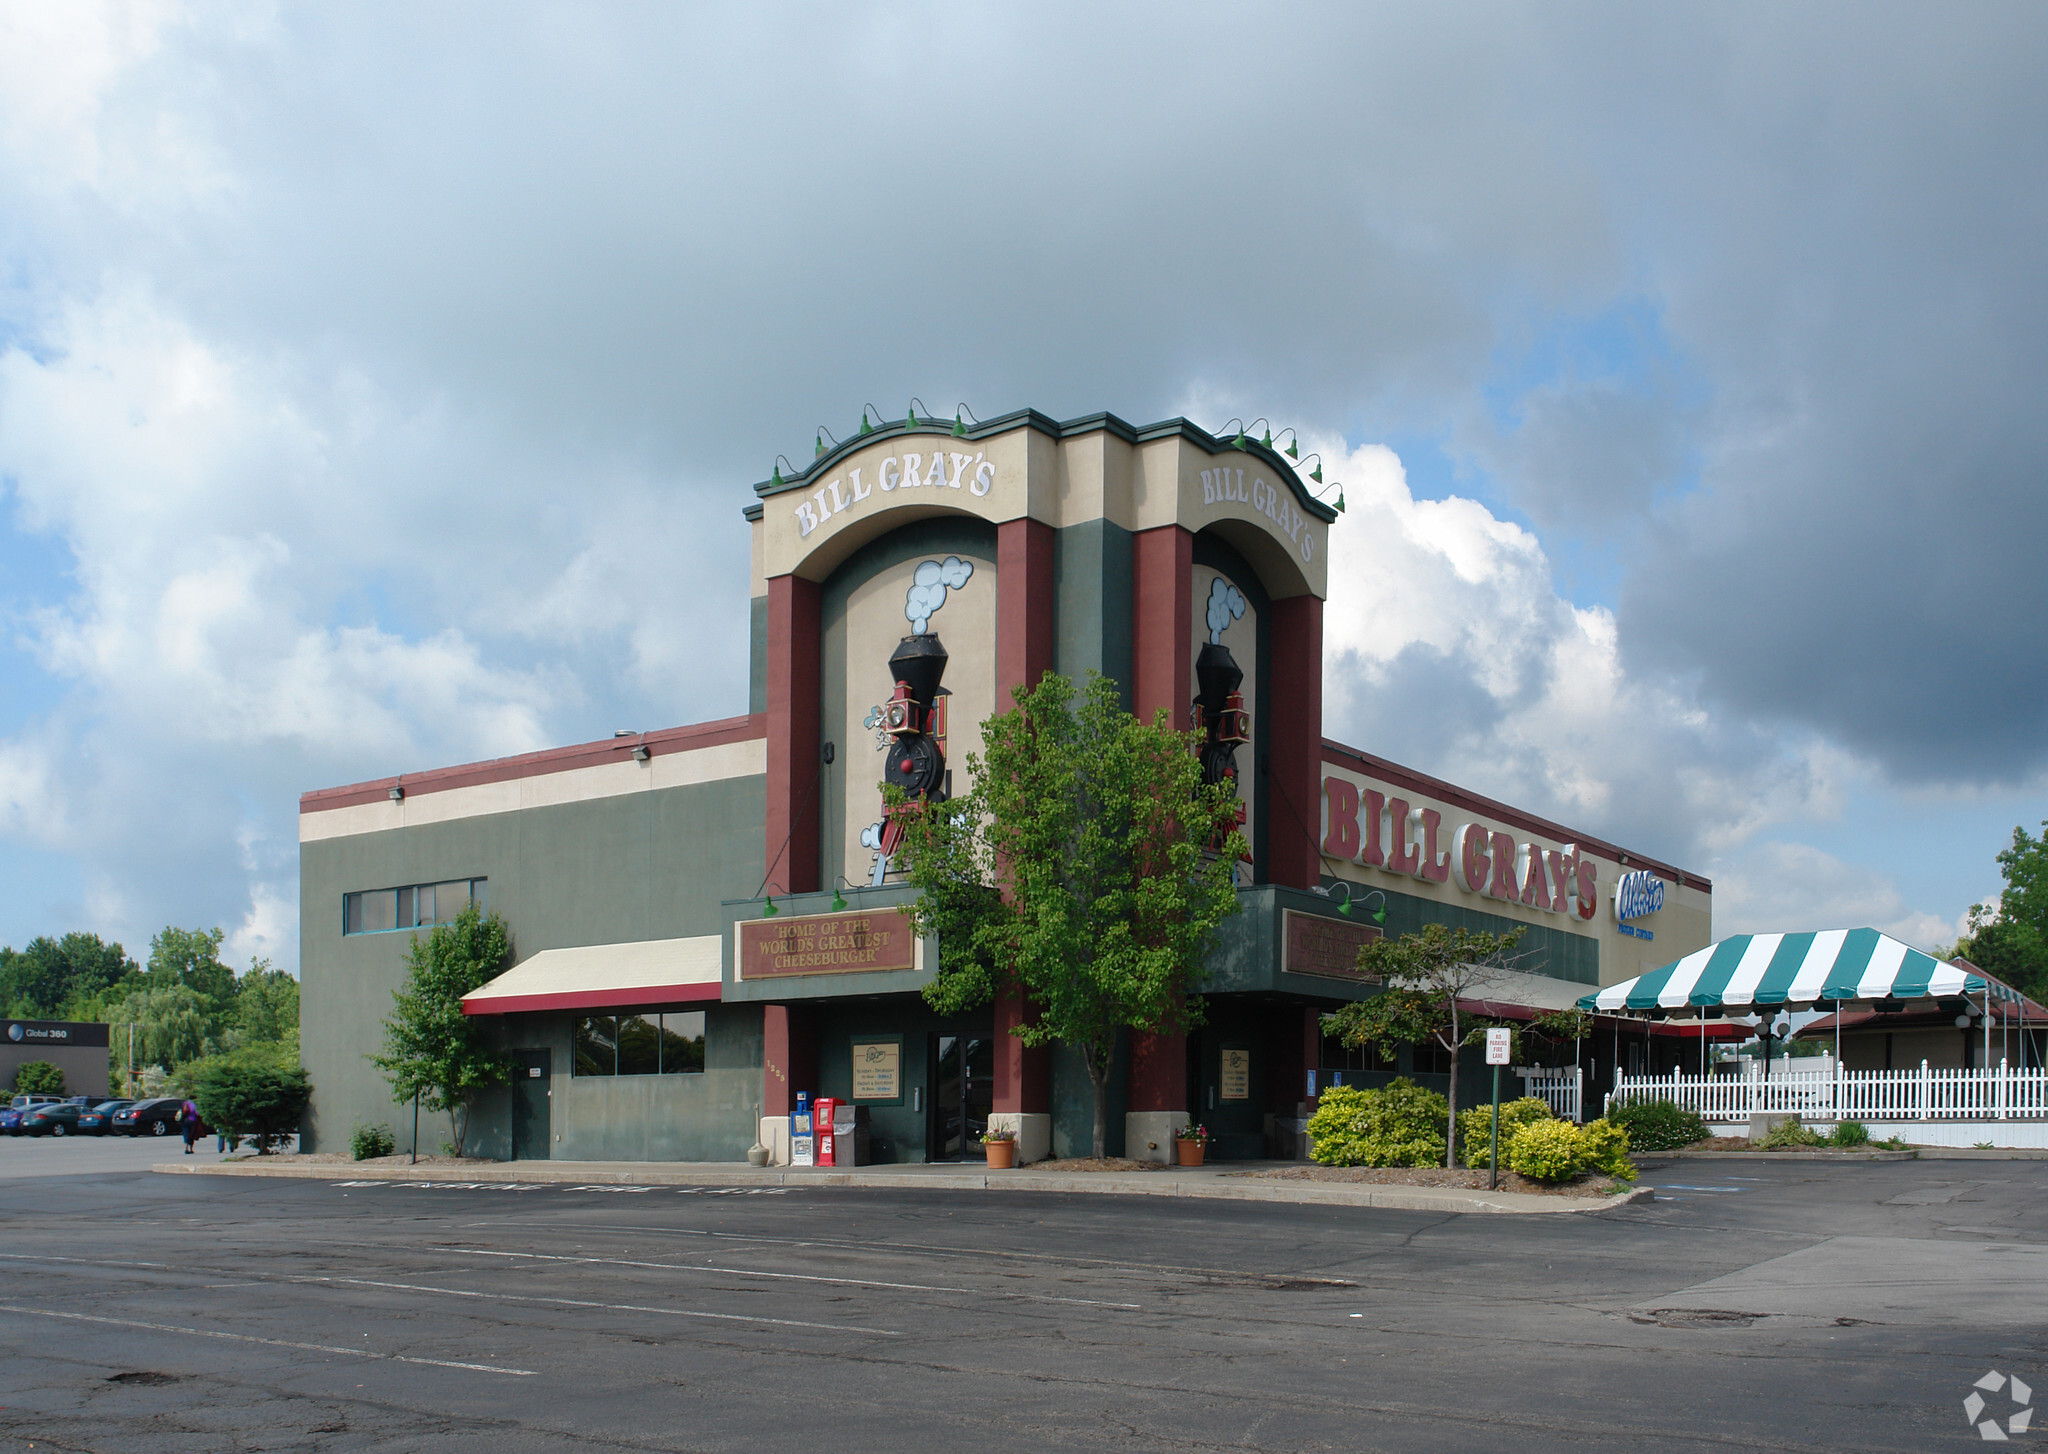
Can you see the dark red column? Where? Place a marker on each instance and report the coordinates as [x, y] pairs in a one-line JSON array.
[[1162, 671], [789, 1058], [1162, 653], [793, 740], [1024, 632], [1294, 744]]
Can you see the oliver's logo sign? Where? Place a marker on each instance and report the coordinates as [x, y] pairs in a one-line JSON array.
[[1637, 895], [976, 473]]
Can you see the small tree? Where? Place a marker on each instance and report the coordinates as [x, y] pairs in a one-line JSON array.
[[1426, 974], [1086, 869], [39, 1077], [267, 1007], [251, 1093], [432, 1049]]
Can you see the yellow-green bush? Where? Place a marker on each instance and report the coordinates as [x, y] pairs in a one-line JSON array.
[[1547, 1151], [1401, 1124], [1607, 1149], [1475, 1127]]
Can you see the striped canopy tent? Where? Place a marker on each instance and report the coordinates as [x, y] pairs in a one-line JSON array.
[[1788, 969]]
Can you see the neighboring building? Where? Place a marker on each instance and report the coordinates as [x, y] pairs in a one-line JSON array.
[[79, 1050], [1961, 1033], [903, 586]]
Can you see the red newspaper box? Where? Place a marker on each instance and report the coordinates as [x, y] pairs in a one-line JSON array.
[[821, 1118]]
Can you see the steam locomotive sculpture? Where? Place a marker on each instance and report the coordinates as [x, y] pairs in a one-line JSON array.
[[911, 726]]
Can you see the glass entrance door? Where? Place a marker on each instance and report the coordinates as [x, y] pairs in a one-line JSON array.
[[963, 1093]]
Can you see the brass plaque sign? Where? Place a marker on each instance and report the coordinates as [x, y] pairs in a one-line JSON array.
[[1237, 1074], [1326, 947], [825, 944], [877, 1070]]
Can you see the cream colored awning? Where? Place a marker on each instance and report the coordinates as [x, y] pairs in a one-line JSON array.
[[643, 973]]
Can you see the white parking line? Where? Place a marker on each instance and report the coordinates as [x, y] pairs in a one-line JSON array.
[[787, 1276], [189, 1332], [569, 1302]]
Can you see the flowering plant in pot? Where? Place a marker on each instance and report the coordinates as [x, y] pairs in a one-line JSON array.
[[1190, 1142], [1001, 1146]]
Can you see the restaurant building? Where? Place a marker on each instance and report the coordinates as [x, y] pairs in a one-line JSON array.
[[704, 917]]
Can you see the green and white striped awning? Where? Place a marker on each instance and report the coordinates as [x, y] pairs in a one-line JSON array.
[[1789, 969]]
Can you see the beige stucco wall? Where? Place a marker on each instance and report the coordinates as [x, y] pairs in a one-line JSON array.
[[1684, 924], [1023, 472]]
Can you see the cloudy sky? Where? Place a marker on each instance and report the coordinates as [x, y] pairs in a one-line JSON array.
[[379, 388]]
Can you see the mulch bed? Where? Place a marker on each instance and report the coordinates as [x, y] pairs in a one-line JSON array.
[[1098, 1163], [343, 1158], [1440, 1176]]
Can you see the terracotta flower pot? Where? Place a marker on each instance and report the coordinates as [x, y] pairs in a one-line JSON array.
[[1190, 1152], [1002, 1155]]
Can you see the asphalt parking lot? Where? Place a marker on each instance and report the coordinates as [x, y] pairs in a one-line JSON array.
[[1783, 1307]]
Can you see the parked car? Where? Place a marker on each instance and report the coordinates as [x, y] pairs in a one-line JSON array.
[[32, 1098], [97, 1119], [155, 1117], [57, 1119]]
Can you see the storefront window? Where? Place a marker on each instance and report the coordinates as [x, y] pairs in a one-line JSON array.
[[669, 1044]]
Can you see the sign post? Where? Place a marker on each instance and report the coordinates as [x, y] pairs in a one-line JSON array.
[[1498, 1045]]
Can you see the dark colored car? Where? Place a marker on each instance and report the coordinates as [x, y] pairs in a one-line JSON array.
[[96, 1120], [59, 1119], [156, 1117]]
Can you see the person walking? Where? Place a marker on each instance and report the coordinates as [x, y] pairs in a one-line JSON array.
[[188, 1116]]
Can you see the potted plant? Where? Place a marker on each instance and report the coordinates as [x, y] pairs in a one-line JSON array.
[[1001, 1147], [1189, 1142]]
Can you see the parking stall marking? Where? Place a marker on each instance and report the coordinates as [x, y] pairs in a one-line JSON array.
[[709, 1191], [190, 1332], [788, 1276], [566, 1302]]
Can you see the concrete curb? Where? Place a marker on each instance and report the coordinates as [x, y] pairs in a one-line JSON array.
[[1161, 1183]]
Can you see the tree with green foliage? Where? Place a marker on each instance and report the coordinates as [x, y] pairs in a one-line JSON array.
[[253, 1093], [173, 1024], [191, 957], [1425, 975], [2009, 939], [39, 1077], [432, 1049], [57, 979], [267, 1008], [1086, 868]]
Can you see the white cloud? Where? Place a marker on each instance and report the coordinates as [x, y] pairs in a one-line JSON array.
[[1448, 647], [1776, 887]]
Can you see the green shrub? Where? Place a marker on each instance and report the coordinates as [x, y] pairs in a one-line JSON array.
[[39, 1077], [1475, 1127], [1547, 1151], [1607, 1149], [1849, 1133], [368, 1142], [1400, 1124], [1791, 1133], [1658, 1125], [250, 1093]]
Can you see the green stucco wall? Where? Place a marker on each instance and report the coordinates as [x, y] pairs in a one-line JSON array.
[[651, 865]]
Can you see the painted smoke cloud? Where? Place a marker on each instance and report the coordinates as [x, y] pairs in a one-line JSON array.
[[1226, 604], [936, 577]]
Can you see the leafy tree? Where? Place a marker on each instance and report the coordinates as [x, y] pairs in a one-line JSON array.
[[431, 1048], [1426, 975], [2009, 939], [250, 1093], [267, 1007], [191, 957], [173, 1024], [1086, 868], [53, 978], [39, 1077]]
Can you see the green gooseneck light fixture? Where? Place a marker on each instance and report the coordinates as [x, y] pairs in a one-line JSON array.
[[768, 909], [838, 900]]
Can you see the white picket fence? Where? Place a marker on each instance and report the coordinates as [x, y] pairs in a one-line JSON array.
[[1563, 1089], [1997, 1094]]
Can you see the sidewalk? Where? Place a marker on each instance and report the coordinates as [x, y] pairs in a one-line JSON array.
[[1221, 1182]]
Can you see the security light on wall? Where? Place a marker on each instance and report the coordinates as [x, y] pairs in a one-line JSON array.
[[397, 794], [642, 752]]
